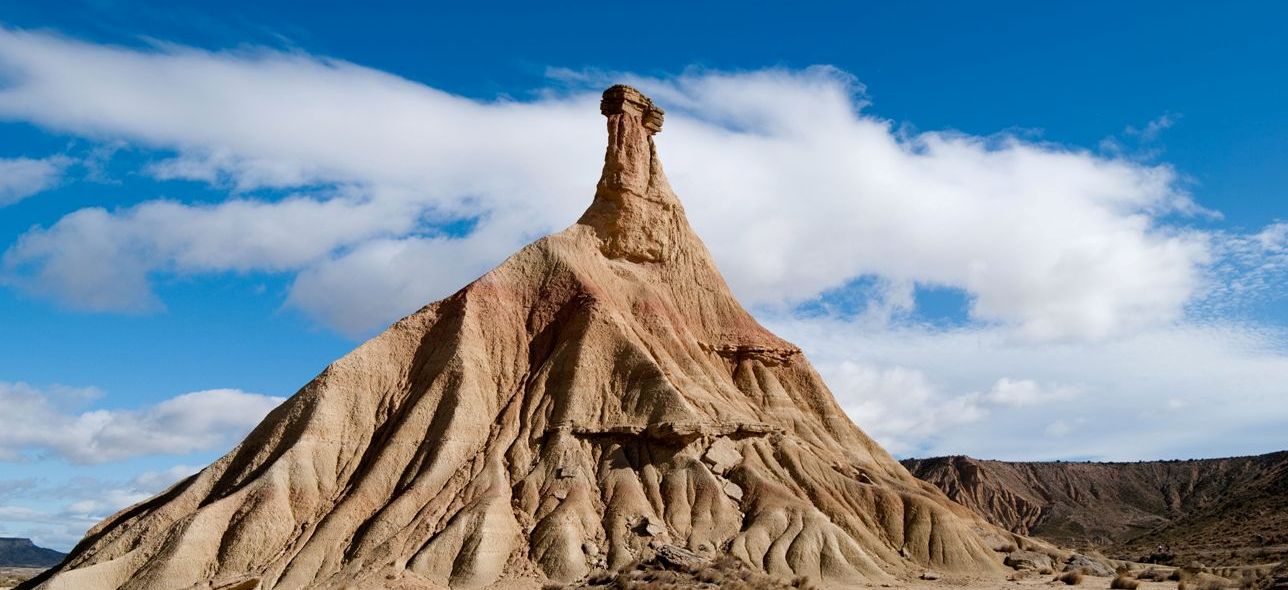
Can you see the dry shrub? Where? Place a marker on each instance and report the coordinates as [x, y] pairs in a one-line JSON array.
[[1122, 582], [1152, 575], [722, 573], [1072, 578], [803, 583]]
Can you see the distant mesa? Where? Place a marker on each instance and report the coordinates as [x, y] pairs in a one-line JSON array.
[[20, 552], [597, 401]]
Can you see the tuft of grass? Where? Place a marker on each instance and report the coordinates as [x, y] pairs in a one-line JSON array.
[[1072, 578], [1122, 582]]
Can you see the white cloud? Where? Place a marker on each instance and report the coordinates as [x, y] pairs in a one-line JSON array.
[[99, 260], [1173, 392], [200, 420], [1155, 127], [905, 409], [1018, 393], [1251, 269], [898, 406], [92, 499], [1095, 311], [1059, 428], [78, 504], [23, 177], [795, 189]]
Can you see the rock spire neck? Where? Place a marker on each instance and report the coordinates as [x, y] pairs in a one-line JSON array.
[[635, 214]]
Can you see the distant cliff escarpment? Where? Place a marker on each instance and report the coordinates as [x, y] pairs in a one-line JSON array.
[[1219, 511], [17, 552]]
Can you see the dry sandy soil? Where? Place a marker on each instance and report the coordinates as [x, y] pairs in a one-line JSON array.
[[12, 576]]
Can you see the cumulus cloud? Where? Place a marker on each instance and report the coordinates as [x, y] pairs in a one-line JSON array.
[[904, 407], [23, 177], [99, 260], [1095, 306], [1192, 390], [898, 406], [52, 426], [797, 189]]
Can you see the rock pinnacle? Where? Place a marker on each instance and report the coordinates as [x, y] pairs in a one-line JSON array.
[[635, 212]]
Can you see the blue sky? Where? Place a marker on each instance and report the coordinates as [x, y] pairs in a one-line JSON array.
[[1018, 231]]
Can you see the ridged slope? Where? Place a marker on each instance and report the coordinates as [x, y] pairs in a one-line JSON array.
[[597, 395], [1221, 511]]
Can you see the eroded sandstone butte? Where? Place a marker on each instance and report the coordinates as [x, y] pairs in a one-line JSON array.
[[598, 395]]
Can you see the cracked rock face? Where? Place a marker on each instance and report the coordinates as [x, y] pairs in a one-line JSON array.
[[598, 397]]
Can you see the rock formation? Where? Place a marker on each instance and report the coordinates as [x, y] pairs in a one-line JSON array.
[[20, 552], [597, 397], [1230, 511]]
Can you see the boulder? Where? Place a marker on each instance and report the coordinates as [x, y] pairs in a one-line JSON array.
[[722, 455], [732, 490], [1088, 565], [1028, 560]]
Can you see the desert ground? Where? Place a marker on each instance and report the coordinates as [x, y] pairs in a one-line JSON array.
[[12, 576]]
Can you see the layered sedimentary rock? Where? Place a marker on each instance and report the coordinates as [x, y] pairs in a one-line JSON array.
[[1227, 511], [598, 396]]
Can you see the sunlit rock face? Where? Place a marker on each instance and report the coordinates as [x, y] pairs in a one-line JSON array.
[[598, 396]]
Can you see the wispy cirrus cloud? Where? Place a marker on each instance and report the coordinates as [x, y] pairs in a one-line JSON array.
[[21, 178], [77, 504]]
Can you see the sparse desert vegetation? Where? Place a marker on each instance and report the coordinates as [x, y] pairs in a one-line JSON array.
[[725, 573], [1152, 575], [1121, 582], [1071, 578], [12, 576]]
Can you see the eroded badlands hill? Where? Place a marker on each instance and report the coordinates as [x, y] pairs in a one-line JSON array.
[[596, 397], [1220, 511]]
